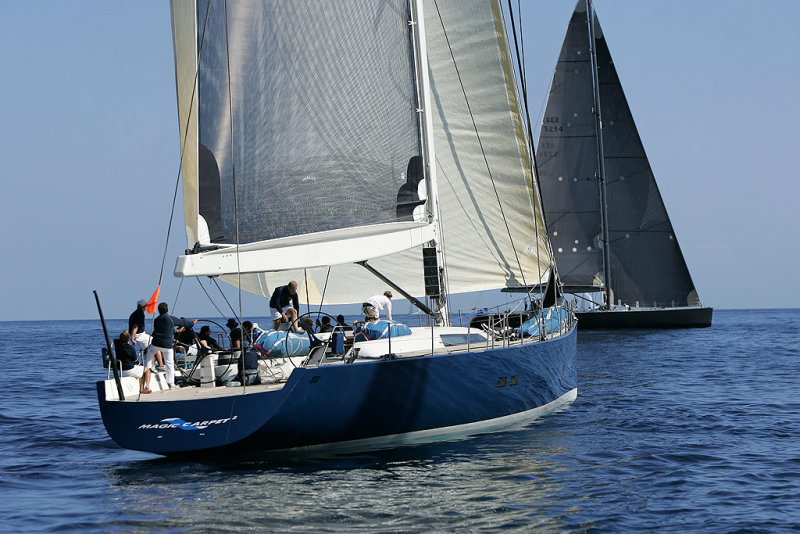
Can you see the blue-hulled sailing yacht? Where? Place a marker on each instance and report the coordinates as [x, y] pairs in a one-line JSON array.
[[349, 146]]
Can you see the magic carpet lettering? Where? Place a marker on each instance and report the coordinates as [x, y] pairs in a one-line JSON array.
[[176, 422]]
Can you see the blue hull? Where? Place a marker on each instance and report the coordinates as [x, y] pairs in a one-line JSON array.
[[364, 400]]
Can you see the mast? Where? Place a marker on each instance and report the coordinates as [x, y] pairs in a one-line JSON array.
[[600, 170], [432, 253]]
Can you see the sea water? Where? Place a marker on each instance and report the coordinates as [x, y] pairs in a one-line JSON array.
[[673, 430]]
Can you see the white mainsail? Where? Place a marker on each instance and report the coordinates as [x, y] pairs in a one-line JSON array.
[[298, 136]]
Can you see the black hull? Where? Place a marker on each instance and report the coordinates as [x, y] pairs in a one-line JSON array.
[[652, 318]]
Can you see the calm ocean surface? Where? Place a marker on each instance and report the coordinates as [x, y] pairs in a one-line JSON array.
[[677, 431]]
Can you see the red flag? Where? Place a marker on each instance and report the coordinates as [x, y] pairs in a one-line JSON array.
[[152, 304]]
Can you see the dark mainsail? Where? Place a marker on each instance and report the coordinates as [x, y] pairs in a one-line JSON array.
[[645, 261]]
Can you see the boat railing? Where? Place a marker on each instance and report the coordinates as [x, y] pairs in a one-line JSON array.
[[642, 305], [500, 330], [501, 333]]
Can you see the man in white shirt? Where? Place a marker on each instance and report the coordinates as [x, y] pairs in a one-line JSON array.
[[372, 306]]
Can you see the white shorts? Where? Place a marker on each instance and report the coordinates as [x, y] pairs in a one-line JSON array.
[[151, 354], [276, 315], [137, 371], [142, 340]]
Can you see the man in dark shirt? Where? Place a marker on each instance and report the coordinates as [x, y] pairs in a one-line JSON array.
[[206, 339], [185, 340], [136, 327], [126, 356], [163, 340], [325, 325], [236, 333], [136, 320], [248, 368], [284, 305], [342, 324]]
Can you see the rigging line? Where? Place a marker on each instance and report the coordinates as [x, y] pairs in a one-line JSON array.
[[226, 301], [522, 44], [446, 288], [600, 169], [483, 152], [209, 298], [183, 145], [548, 244], [324, 289], [233, 165], [533, 168], [308, 300], [175, 302], [520, 65]]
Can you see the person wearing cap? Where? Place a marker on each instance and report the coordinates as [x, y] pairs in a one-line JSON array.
[[373, 305], [163, 340], [138, 335], [284, 305], [236, 333]]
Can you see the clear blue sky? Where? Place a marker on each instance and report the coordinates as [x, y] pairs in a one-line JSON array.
[[89, 145]]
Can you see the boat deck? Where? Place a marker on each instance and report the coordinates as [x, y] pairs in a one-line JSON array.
[[270, 369], [275, 372]]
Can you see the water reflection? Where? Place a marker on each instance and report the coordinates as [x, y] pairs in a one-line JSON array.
[[509, 478]]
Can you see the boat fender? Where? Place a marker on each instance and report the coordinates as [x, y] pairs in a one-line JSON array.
[[381, 330], [553, 321], [275, 344]]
